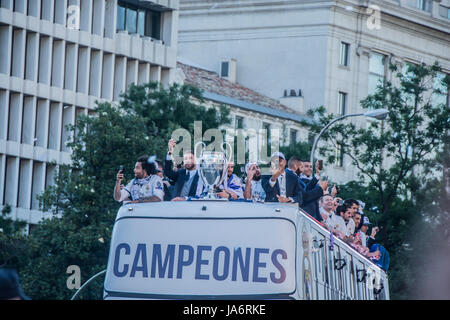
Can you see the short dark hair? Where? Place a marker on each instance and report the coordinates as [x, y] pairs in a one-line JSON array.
[[342, 209], [149, 167], [350, 202], [323, 197], [292, 160]]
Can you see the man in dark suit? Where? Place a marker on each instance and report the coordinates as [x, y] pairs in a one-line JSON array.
[[187, 180], [283, 185], [314, 188], [311, 191]]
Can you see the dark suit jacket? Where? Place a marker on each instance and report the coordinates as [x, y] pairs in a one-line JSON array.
[[311, 195], [293, 188], [179, 177]]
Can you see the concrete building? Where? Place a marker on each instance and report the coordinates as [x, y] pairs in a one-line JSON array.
[[335, 52], [57, 58]]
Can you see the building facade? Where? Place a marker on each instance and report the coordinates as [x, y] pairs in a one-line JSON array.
[[334, 52], [57, 58]]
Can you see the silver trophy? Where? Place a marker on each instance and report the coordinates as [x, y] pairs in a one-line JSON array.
[[213, 167]]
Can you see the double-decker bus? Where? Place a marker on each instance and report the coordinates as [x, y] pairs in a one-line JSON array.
[[233, 250]]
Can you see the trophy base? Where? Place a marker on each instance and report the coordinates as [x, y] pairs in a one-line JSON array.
[[211, 196], [210, 199]]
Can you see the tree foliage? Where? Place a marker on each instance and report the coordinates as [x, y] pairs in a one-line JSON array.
[[81, 199], [399, 160]]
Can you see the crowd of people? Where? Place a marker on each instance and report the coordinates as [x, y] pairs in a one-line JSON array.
[[291, 181]]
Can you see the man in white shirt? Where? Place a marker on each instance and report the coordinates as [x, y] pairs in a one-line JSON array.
[[326, 206], [253, 187], [146, 186], [342, 222]]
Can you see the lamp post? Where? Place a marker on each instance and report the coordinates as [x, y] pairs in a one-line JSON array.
[[379, 114]]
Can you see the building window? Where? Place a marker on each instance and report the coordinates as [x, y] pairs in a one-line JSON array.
[[408, 97], [138, 20], [377, 71], [121, 17], [131, 20], [141, 22], [344, 57], [224, 69], [441, 96], [266, 127], [239, 122], [293, 136], [339, 156], [424, 5], [342, 103]]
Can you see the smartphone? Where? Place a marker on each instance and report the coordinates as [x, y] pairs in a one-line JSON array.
[[320, 164], [337, 188], [121, 169]]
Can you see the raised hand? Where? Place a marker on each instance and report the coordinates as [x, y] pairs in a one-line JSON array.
[[172, 143]]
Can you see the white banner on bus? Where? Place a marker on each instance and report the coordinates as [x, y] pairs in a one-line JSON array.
[[158, 256]]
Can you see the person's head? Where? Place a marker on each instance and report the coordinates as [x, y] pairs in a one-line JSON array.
[[357, 238], [189, 160], [307, 168], [253, 166], [294, 164], [327, 202], [336, 202], [366, 225], [10, 286], [353, 204], [230, 169], [344, 211], [160, 169], [278, 160], [357, 218], [143, 168]]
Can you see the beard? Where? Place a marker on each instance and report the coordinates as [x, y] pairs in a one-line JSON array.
[[189, 166], [256, 177]]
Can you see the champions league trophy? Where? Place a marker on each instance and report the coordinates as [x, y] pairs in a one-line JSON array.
[[213, 168]]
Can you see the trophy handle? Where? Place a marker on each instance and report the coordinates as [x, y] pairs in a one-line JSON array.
[[228, 155]]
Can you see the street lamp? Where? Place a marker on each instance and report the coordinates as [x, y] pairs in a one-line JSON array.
[[379, 114]]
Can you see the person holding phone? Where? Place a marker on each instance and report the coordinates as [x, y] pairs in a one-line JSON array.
[[146, 186]]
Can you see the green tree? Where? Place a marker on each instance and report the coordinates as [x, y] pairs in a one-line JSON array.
[[11, 239], [396, 157], [298, 149], [81, 199]]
